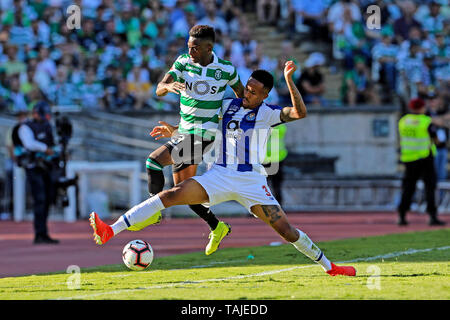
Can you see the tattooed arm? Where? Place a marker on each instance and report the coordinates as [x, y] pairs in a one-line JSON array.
[[298, 109]]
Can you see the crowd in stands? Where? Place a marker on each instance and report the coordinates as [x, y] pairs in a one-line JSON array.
[[406, 56], [115, 60]]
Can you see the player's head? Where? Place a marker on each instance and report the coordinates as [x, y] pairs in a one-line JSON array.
[[201, 42], [257, 88]]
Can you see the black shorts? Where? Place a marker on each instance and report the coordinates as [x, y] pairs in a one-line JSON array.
[[187, 149]]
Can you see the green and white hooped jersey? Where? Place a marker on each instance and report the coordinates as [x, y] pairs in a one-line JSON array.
[[205, 87]]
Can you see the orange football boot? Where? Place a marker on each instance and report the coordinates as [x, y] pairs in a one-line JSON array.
[[341, 270], [102, 231]]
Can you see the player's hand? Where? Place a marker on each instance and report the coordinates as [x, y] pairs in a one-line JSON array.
[[176, 87], [289, 69], [165, 130]]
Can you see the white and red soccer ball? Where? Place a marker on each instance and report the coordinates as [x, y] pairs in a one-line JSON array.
[[137, 255]]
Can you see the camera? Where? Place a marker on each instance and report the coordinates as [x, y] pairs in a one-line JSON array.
[[64, 133]]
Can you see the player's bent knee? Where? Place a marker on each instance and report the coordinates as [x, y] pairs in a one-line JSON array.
[[171, 197], [162, 156]]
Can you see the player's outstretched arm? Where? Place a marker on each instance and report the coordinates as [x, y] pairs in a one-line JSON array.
[[298, 109], [167, 85]]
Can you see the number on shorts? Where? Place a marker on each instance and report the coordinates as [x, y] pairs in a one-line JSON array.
[[266, 191]]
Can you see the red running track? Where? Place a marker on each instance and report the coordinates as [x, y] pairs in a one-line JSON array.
[[18, 256]]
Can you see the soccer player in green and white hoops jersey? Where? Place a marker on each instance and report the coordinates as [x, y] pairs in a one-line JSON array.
[[200, 78]]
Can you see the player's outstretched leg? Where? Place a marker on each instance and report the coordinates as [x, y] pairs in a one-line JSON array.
[[155, 178], [187, 192], [274, 216]]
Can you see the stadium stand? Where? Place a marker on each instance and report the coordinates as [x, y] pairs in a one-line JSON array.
[[115, 59], [111, 65]]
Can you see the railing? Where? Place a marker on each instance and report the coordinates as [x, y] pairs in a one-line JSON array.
[[355, 195]]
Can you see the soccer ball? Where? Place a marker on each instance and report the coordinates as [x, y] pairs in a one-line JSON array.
[[137, 255]]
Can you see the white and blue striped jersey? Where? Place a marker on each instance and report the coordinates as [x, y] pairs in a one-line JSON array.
[[241, 139]]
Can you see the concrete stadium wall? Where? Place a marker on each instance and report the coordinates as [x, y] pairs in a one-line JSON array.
[[364, 138]]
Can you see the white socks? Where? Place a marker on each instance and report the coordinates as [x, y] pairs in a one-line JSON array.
[[309, 249], [138, 213]]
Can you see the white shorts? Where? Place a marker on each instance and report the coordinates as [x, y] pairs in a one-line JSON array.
[[247, 188]]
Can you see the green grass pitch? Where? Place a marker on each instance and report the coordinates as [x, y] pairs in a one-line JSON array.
[[401, 266]]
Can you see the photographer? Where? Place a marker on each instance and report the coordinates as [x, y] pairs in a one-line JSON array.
[[33, 142]]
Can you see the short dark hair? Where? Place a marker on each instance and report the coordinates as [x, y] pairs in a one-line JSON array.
[[264, 77], [203, 32]]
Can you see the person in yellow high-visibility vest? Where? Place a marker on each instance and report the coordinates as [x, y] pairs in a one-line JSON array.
[[417, 150], [273, 162]]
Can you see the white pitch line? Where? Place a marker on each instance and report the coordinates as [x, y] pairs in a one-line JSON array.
[[259, 274], [396, 254]]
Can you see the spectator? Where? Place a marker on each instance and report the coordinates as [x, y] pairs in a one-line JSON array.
[[263, 61], [442, 65], [441, 49], [38, 7], [409, 70], [286, 19], [212, 19], [138, 85], [122, 99], [312, 13], [245, 70], [182, 25], [124, 61], [311, 83], [106, 35], [46, 68], [40, 33], [337, 11], [262, 6], [87, 37], [91, 92], [244, 44], [61, 91], [18, 100], [434, 21], [77, 72], [233, 16], [357, 87], [177, 13], [416, 36], [403, 25], [428, 79], [384, 58], [13, 65], [349, 39], [28, 86], [89, 8]]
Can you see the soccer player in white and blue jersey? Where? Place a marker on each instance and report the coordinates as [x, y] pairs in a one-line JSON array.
[[200, 78], [237, 173]]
